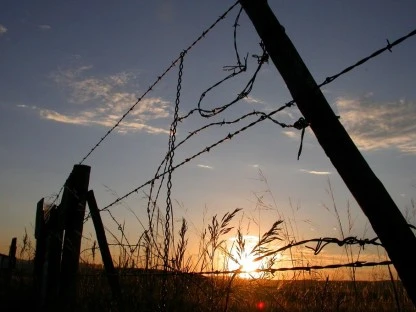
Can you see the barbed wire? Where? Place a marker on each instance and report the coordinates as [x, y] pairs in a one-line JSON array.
[[237, 69], [388, 47], [321, 243], [263, 115], [308, 268], [159, 78], [356, 264], [246, 91], [266, 116]]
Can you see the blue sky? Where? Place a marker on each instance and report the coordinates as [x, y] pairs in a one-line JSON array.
[[70, 69]]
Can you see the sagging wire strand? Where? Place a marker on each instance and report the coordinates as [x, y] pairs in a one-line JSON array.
[[237, 69]]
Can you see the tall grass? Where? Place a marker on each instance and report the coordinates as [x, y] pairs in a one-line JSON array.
[[203, 281]]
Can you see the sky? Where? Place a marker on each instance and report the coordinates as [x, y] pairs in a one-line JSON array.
[[70, 69]]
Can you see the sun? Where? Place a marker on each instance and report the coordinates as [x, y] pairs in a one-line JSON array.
[[245, 259]]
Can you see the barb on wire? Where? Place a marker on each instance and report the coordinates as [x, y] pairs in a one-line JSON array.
[[388, 47]]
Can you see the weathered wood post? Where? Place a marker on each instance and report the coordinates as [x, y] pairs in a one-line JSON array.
[[383, 214], [52, 266], [40, 252], [73, 212], [112, 274], [12, 254], [12, 261]]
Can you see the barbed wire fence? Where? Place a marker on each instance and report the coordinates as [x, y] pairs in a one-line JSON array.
[[167, 166]]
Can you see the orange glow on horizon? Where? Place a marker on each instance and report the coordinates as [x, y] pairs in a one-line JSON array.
[[244, 260]]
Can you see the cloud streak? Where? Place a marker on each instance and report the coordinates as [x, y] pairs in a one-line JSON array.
[[380, 125], [103, 101], [44, 27], [90, 118], [315, 172], [3, 30], [252, 100]]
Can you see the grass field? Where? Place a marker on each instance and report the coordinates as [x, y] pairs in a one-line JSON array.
[[142, 291], [212, 279]]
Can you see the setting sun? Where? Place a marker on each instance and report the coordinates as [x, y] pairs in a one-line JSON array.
[[244, 259]]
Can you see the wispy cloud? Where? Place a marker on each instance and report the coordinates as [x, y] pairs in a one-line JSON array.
[[3, 30], [90, 118], [26, 106], [315, 172], [379, 125], [205, 166], [104, 100], [290, 134], [44, 27], [252, 100]]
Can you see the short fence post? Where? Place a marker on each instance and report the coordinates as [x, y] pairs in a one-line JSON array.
[[12, 254], [12, 261], [40, 253], [52, 265], [112, 274], [73, 205]]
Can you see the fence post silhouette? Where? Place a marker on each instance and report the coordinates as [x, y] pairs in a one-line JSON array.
[[11, 265], [47, 260], [40, 253], [52, 266], [112, 274], [383, 214], [72, 218]]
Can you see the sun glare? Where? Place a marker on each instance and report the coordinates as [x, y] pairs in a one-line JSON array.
[[245, 260]]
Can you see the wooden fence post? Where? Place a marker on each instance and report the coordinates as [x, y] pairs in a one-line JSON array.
[[73, 210], [40, 252], [383, 214], [52, 265], [12, 254], [112, 274], [12, 261]]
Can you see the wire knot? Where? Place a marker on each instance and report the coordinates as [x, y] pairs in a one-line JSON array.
[[301, 124]]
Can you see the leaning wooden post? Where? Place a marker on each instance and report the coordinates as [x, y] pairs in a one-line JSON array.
[[40, 253], [383, 214], [112, 274], [73, 205]]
